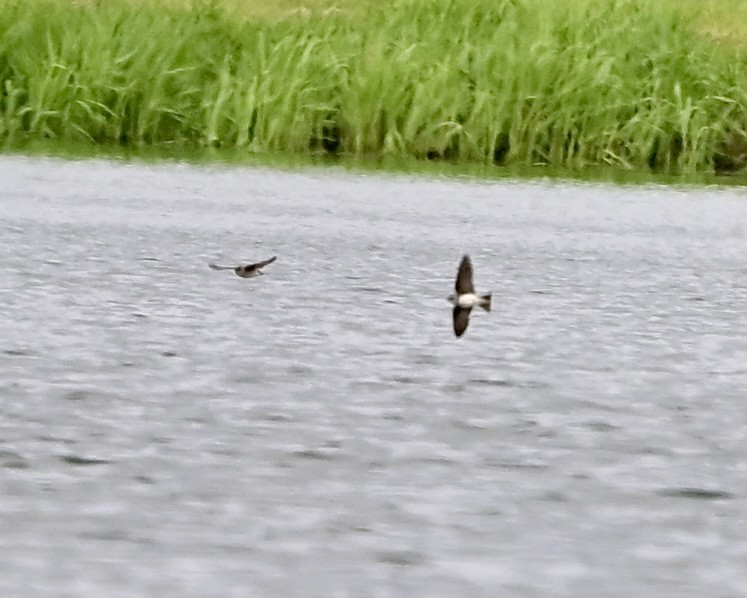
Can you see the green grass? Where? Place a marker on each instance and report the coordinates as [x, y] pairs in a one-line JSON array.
[[634, 84]]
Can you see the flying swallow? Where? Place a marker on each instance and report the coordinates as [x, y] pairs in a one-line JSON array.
[[465, 298], [247, 271]]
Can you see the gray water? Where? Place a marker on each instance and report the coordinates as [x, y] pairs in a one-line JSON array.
[[169, 430]]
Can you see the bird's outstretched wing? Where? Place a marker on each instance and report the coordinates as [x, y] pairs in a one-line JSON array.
[[464, 277], [217, 267], [461, 319], [261, 264]]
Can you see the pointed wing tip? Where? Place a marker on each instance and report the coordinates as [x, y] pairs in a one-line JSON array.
[[466, 261], [460, 317], [463, 283], [267, 262]]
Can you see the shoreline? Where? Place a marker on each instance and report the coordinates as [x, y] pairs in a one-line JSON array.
[[386, 166]]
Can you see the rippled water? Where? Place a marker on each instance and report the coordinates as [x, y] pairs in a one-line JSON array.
[[170, 430]]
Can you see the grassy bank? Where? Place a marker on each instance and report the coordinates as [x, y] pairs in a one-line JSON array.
[[636, 84]]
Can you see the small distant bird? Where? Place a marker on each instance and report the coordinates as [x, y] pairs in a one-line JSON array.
[[465, 298], [247, 271]]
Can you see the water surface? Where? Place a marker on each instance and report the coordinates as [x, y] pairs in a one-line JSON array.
[[170, 430]]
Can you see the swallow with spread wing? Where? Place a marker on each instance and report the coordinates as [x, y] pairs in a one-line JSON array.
[[247, 271], [465, 297]]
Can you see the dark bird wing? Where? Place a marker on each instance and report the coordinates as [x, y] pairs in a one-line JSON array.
[[461, 319], [262, 264], [217, 267], [464, 277]]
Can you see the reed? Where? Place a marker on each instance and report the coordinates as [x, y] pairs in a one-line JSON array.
[[571, 83]]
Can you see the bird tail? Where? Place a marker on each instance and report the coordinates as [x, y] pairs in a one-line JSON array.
[[487, 301], [217, 267]]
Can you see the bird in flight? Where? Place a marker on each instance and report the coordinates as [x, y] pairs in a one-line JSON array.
[[247, 271], [465, 297]]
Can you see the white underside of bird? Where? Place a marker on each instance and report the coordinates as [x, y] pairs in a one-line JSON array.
[[466, 300]]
